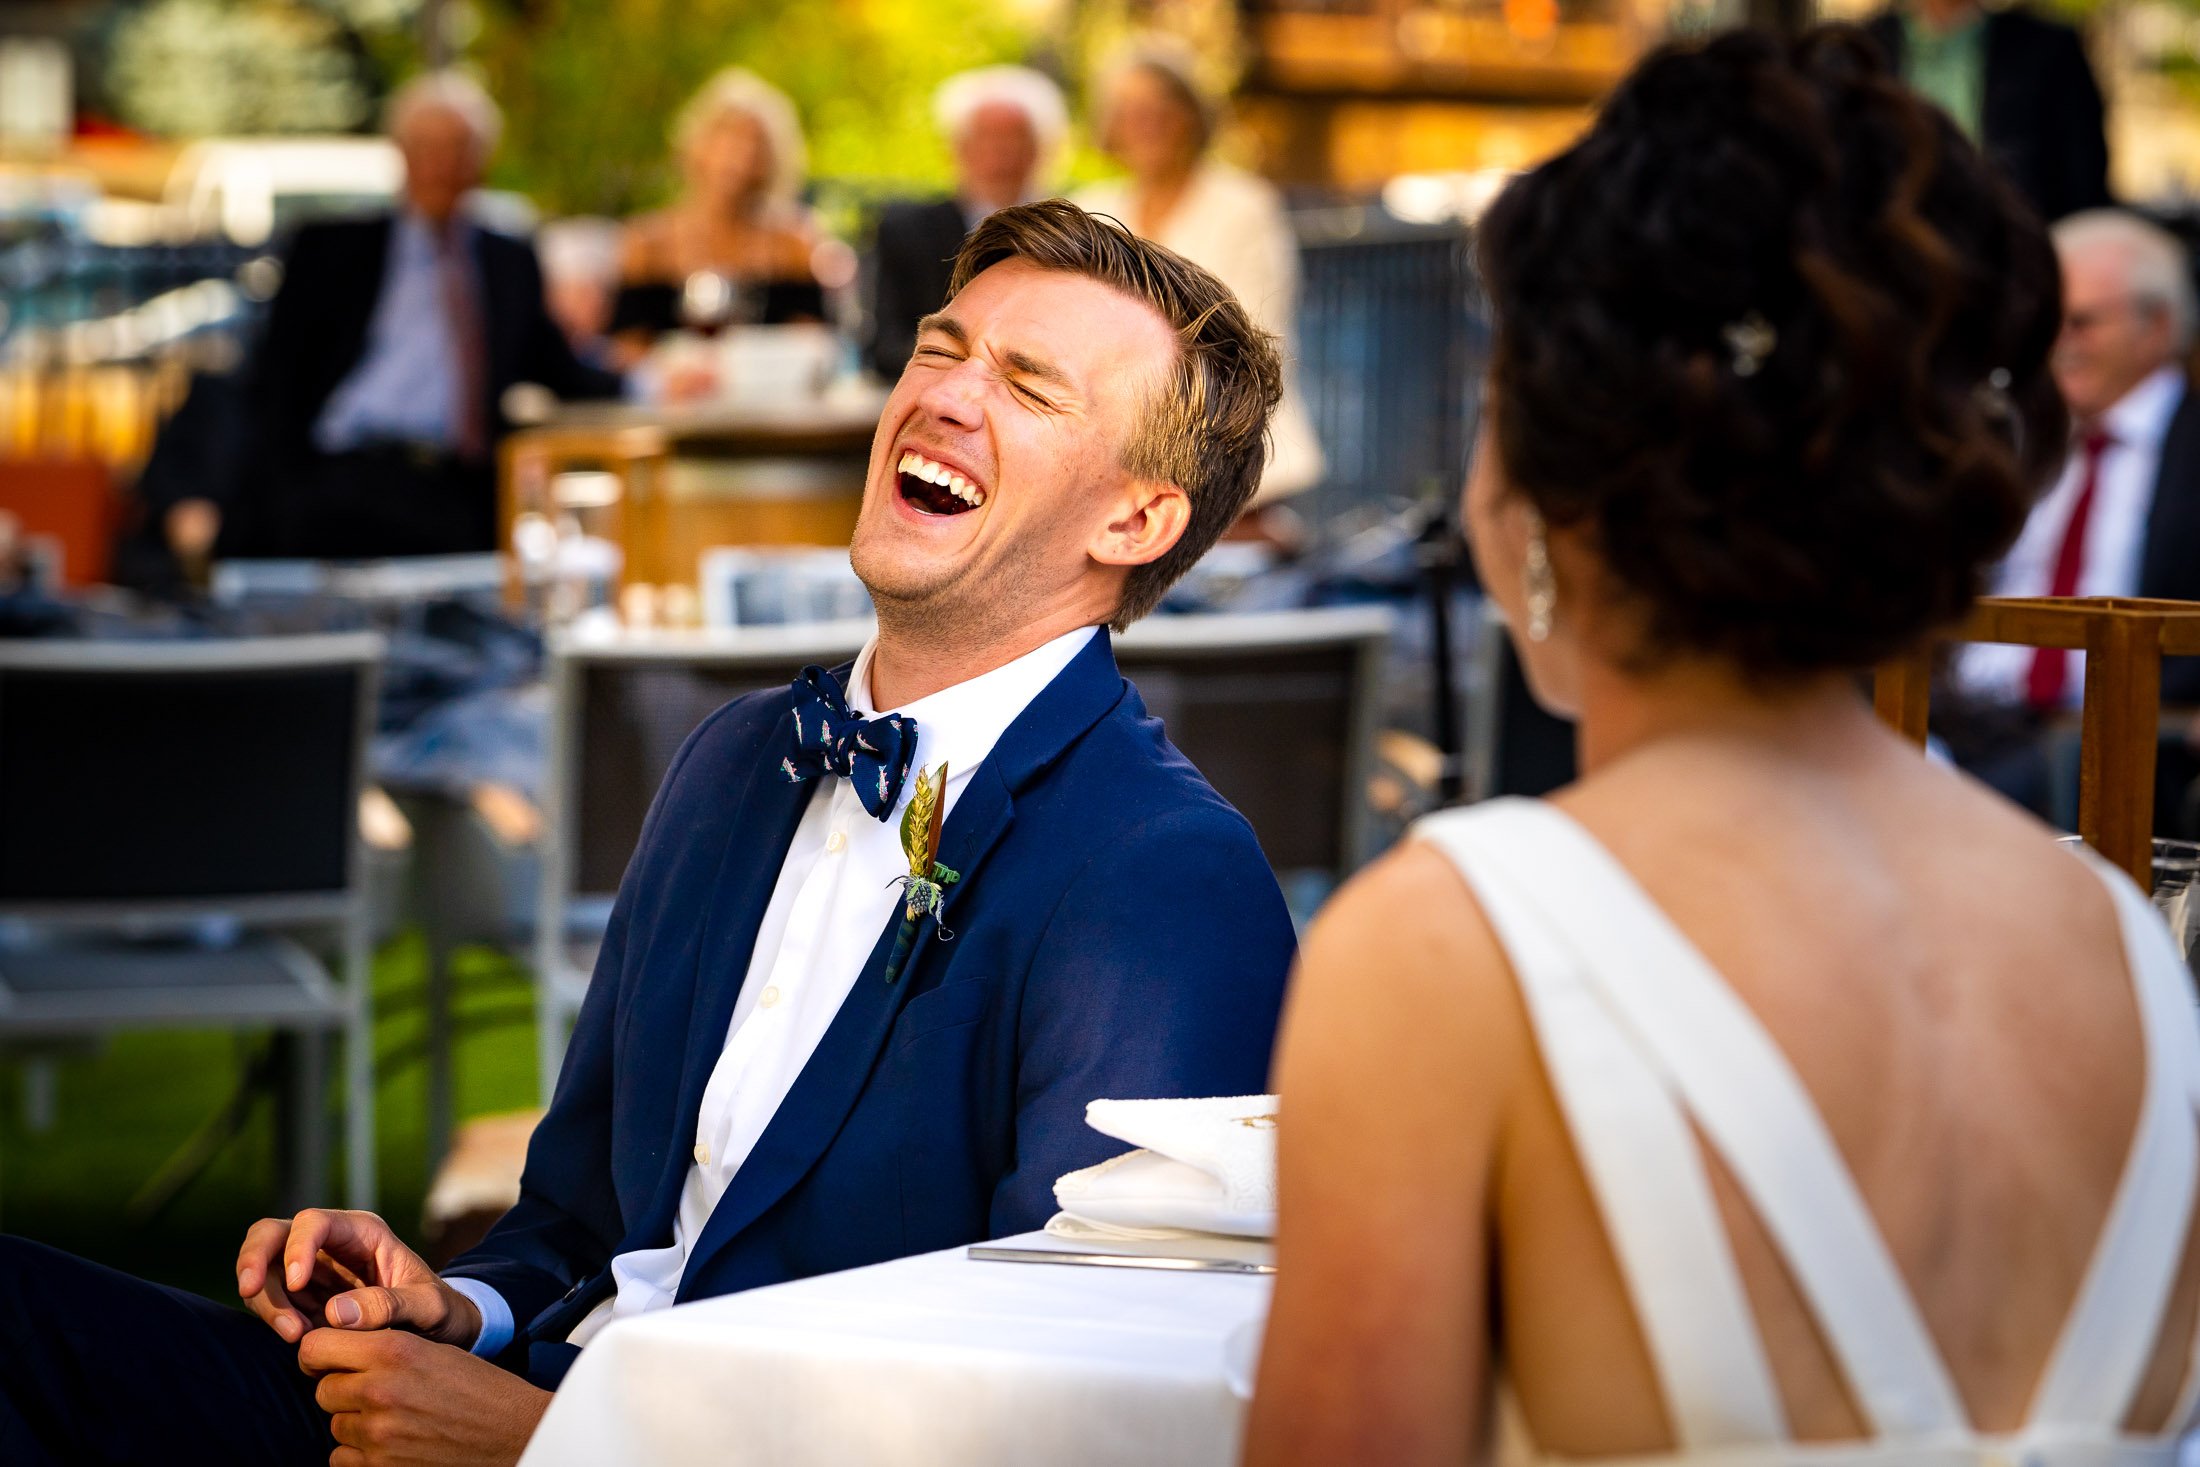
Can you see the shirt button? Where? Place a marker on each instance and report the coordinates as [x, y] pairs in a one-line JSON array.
[[702, 1153], [836, 841], [769, 997]]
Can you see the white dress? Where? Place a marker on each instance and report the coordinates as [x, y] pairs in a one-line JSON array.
[[1641, 1037], [1232, 224]]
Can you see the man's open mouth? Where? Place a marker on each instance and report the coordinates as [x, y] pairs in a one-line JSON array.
[[935, 488]]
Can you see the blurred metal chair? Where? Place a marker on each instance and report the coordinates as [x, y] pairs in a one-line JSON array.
[[1279, 710], [177, 816], [619, 710]]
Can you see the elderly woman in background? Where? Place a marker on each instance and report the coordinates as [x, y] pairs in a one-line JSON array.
[[1157, 122], [736, 246]]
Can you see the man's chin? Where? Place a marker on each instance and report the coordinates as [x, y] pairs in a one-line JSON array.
[[904, 590]]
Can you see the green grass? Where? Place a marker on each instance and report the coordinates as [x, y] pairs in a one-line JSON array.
[[125, 1108]]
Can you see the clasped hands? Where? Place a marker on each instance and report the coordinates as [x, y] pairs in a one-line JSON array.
[[388, 1340]]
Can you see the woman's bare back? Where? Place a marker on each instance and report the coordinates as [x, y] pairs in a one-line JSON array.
[[1952, 992]]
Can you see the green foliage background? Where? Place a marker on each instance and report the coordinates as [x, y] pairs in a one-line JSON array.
[[590, 87]]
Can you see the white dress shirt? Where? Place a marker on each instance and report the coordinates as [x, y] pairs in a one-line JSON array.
[[835, 895], [2115, 536], [404, 387]]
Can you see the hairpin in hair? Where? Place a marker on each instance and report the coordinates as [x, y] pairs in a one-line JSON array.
[[1749, 341]]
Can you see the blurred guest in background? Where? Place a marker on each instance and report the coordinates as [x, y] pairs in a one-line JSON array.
[[1771, 1093], [737, 245], [2018, 84], [190, 481], [1157, 122], [376, 392], [1004, 124], [2123, 519], [580, 277]]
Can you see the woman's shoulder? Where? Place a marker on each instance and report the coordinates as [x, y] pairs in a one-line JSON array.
[[1408, 938], [1103, 196], [1238, 188], [647, 245], [786, 244]]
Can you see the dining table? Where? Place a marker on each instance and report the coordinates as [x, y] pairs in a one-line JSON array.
[[936, 1360]]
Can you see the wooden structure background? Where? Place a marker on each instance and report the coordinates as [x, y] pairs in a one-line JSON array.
[[2124, 640]]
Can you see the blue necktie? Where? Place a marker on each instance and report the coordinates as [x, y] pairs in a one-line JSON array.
[[873, 754]]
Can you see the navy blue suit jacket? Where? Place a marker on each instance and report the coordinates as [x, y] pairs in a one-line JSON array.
[[1116, 932]]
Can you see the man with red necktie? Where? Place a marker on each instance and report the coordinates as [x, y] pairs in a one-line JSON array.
[[2123, 519], [375, 394]]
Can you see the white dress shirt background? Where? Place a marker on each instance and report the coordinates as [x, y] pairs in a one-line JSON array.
[[2115, 540], [836, 893]]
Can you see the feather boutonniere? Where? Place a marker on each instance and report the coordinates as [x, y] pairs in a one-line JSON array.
[[924, 889]]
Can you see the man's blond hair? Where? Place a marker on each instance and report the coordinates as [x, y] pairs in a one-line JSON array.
[[1206, 429]]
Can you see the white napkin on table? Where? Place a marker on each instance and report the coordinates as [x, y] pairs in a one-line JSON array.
[[1203, 1166]]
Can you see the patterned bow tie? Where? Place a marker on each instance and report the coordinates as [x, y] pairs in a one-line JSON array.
[[829, 738]]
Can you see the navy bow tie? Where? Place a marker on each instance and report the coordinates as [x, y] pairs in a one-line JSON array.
[[830, 738]]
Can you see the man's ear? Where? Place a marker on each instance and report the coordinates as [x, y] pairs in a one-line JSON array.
[[1149, 519]]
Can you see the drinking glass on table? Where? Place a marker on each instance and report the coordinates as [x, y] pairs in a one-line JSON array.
[[2176, 890], [709, 302]]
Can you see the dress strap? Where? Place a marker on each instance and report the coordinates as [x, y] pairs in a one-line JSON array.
[[1750, 1106], [2110, 1338], [1634, 1144]]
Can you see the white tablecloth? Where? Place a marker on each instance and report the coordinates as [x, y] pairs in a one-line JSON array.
[[933, 1361]]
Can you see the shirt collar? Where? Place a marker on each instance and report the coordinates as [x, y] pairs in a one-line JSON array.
[[1922, 37], [417, 234], [2141, 417], [961, 724]]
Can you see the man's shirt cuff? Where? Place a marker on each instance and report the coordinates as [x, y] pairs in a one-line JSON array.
[[497, 1327]]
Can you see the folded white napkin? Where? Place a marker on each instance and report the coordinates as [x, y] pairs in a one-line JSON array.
[[1204, 1166]]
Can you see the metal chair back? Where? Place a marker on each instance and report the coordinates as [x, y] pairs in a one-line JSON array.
[[620, 710], [1279, 710], [152, 787]]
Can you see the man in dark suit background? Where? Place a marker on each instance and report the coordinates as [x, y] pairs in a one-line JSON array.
[[376, 391], [780, 1068], [1004, 123], [2019, 84], [2123, 519]]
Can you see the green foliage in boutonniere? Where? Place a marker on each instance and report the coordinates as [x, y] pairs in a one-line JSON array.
[[924, 889]]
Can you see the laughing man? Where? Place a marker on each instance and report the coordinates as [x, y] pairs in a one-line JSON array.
[[824, 1030]]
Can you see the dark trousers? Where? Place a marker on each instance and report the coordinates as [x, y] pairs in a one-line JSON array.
[[98, 1367], [375, 502]]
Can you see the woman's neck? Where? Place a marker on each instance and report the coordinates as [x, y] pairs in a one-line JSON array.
[[1623, 714]]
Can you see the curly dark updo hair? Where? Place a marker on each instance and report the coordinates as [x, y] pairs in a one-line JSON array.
[[1820, 494]]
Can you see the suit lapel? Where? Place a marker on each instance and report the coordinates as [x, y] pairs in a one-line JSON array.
[[2168, 567], [748, 869], [351, 312], [493, 298], [837, 1071]]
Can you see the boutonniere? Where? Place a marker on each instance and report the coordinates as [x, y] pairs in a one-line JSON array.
[[924, 889]]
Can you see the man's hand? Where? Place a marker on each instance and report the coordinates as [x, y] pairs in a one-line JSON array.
[[395, 1399], [347, 1270], [191, 526]]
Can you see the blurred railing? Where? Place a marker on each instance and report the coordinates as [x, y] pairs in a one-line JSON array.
[[1390, 349], [98, 342]]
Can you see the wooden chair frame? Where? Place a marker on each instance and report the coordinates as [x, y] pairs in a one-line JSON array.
[[531, 458], [2124, 640]]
